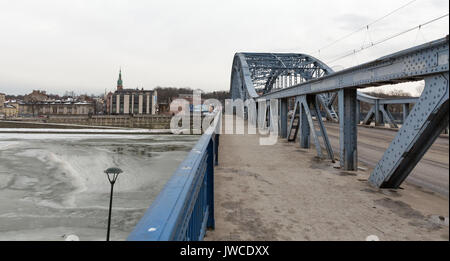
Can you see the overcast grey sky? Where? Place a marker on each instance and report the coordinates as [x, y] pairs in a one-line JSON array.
[[79, 45]]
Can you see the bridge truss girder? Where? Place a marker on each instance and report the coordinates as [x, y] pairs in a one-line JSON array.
[[422, 62], [254, 74], [327, 100], [426, 121], [307, 105], [381, 114], [379, 111]]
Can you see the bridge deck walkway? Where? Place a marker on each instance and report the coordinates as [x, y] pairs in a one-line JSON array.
[[282, 192]]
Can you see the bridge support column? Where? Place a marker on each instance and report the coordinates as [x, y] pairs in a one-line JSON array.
[[358, 111], [378, 114], [307, 101], [327, 99], [283, 117], [304, 127], [427, 120], [387, 116], [368, 119], [405, 112], [261, 114], [323, 130], [348, 129], [294, 125]]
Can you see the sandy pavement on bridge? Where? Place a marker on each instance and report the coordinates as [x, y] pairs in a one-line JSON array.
[[283, 192]]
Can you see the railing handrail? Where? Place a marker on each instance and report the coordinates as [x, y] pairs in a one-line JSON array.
[[171, 209]]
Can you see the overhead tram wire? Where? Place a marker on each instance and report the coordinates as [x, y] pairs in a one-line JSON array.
[[354, 51], [364, 27]]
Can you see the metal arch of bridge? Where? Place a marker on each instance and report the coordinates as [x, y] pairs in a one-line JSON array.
[[260, 73], [254, 74], [429, 62]]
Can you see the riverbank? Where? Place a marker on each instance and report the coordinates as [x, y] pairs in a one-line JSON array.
[[123, 121]]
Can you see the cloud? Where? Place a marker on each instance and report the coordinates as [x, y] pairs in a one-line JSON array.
[[80, 45]]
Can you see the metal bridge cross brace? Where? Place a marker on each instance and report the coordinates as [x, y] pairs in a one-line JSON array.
[[323, 131], [380, 113], [267, 114], [294, 124], [405, 111], [427, 119], [283, 118], [304, 104], [326, 100], [306, 122]]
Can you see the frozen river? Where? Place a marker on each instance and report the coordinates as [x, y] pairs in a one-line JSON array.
[[53, 185]]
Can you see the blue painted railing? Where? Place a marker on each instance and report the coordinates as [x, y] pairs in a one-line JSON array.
[[184, 209]]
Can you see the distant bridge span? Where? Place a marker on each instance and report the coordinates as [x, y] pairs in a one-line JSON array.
[[311, 83]]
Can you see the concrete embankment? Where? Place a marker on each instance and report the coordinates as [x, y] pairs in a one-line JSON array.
[[124, 121]]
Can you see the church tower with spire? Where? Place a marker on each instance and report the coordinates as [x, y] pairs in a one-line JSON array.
[[131, 101], [119, 81]]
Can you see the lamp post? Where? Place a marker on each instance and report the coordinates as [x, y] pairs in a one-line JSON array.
[[112, 174]]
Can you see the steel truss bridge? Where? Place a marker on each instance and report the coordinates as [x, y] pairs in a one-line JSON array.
[[184, 209], [311, 84]]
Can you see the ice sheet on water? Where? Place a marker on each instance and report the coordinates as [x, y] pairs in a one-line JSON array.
[[62, 175]]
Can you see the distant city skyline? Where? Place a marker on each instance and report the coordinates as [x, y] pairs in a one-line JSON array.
[[80, 46]]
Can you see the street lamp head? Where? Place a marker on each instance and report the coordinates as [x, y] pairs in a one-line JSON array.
[[112, 174], [113, 171]]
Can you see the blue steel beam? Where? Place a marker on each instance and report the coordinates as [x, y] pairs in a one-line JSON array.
[[405, 111], [283, 118], [254, 73], [258, 73], [304, 127], [322, 129], [412, 64], [426, 121], [327, 104], [326, 100], [294, 128], [304, 102], [348, 129], [379, 110], [371, 99]]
